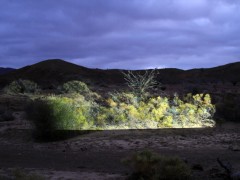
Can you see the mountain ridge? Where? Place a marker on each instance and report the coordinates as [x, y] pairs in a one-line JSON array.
[[5, 70], [57, 71]]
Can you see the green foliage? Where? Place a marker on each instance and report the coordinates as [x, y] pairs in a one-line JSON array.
[[140, 83], [75, 87], [120, 111], [79, 87], [195, 111], [147, 165], [127, 111], [54, 113], [21, 86]]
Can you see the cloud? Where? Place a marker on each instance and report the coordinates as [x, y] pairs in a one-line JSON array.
[[130, 34]]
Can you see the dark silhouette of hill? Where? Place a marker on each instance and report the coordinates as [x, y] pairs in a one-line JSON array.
[[5, 70], [224, 73], [51, 73]]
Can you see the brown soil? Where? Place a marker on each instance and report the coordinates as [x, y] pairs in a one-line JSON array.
[[98, 155]]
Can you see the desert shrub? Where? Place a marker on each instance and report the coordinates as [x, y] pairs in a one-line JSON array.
[[194, 111], [123, 97], [21, 86], [128, 111], [21, 175], [54, 113], [75, 87], [79, 87], [147, 165], [121, 111], [140, 83]]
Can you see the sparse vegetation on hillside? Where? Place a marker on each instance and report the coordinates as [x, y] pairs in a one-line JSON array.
[[75, 87], [21, 86]]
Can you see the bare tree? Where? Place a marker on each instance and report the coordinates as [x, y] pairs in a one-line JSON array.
[[140, 83]]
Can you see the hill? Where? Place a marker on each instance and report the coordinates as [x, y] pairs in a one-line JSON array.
[[5, 70], [51, 73]]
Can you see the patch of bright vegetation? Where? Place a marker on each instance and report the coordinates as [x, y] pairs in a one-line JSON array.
[[61, 113], [159, 112], [124, 111], [81, 109], [147, 165]]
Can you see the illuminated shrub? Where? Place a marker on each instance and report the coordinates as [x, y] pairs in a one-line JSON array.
[[147, 165], [124, 97], [128, 111], [195, 111], [121, 111], [21, 86], [79, 87], [51, 114]]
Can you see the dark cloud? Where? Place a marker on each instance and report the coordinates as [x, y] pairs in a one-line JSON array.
[[130, 34]]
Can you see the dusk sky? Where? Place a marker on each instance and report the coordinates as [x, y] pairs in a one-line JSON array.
[[127, 34]]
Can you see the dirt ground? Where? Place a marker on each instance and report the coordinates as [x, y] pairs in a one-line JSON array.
[[98, 155]]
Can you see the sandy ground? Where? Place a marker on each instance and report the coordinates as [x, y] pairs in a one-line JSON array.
[[98, 155]]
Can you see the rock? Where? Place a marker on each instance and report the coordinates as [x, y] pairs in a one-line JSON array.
[[234, 147], [235, 176], [197, 167], [83, 149]]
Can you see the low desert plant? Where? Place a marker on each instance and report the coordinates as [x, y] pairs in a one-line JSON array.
[[19, 174], [21, 86], [151, 166]]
